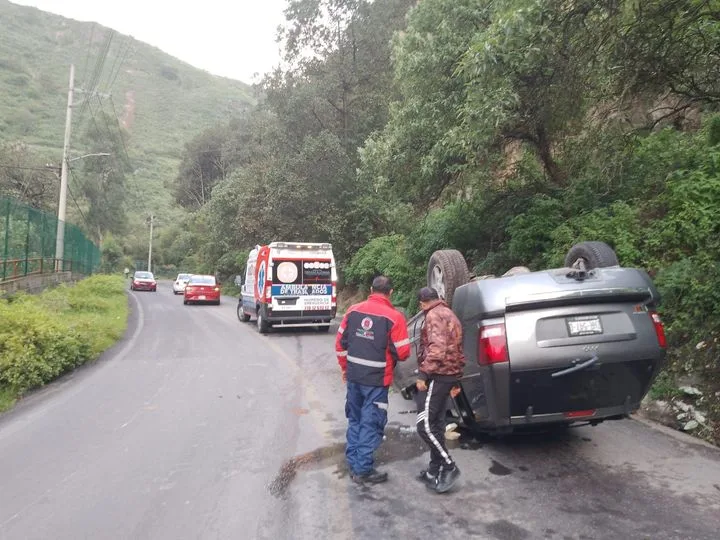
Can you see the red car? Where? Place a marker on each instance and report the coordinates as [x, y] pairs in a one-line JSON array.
[[143, 281], [203, 289]]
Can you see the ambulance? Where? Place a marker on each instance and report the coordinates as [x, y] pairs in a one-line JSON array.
[[289, 284]]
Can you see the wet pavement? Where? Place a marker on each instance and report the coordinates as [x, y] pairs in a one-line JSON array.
[[196, 426]]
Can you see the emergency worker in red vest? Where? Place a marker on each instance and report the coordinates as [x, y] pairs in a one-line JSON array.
[[372, 338]]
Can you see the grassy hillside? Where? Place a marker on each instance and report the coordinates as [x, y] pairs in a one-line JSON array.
[[161, 102]]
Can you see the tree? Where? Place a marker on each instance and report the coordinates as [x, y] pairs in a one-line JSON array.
[[23, 176], [101, 179], [417, 154]]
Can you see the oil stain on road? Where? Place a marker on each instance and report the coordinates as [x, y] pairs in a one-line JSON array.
[[398, 445]]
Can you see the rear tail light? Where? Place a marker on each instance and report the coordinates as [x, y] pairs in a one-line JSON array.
[[217, 289], [268, 290], [492, 345], [659, 329], [334, 295]]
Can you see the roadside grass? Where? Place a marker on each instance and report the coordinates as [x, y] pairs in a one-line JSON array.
[[44, 336], [230, 289]]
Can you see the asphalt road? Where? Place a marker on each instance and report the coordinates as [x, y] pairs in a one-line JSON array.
[[196, 426]]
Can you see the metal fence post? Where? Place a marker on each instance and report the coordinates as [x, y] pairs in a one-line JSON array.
[[27, 240], [7, 237]]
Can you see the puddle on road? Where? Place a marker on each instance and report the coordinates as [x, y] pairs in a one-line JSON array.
[[398, 445]]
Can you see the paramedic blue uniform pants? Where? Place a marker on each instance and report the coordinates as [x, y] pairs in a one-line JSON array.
[[366, 411]]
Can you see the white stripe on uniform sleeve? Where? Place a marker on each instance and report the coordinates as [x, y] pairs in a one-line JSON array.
[[401, 343]]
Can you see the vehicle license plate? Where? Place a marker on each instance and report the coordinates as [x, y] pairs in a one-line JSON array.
[[587, 325], [202, 297]]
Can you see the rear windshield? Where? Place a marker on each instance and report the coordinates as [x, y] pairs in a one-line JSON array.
[[143, 275], [202, 280]]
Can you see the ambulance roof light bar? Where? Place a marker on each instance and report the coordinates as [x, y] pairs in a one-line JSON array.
[[300, 245]]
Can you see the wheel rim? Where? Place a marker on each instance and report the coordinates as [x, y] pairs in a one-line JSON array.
[[259, 321], [437, 281], [239, 314]]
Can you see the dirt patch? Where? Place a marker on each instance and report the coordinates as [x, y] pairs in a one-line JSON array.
[[128, 117]]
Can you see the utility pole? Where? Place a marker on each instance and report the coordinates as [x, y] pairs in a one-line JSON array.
[[62, 204], [152, 220]]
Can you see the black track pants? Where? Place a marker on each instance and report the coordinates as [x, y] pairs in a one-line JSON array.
[[431, 423]]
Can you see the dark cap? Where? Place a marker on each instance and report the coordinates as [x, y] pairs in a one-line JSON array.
[[427, 294]]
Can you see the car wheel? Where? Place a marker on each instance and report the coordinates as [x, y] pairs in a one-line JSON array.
[[241, 315], [217, 303], [185, 302], [593, 254], [447, 270], [262, 324]]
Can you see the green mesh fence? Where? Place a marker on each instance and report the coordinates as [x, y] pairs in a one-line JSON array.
[[27, 244]]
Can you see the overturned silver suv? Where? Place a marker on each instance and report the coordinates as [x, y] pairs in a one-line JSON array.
[[581, 343]]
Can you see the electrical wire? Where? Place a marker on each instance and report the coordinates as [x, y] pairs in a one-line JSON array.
[[89, 50], [120, 59], [92, 85], [122, 138], [72, 196], [2, 166]]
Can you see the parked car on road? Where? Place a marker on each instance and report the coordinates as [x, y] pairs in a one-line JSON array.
[[202, 289], [180, 283], [582, 343], [143, 281]]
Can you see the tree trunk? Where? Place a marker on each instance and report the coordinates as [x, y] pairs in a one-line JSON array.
[[544, 150]]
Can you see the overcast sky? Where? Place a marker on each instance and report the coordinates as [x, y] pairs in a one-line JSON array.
[[232, 38]]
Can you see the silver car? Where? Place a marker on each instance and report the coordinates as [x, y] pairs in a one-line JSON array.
[[581, 343], [180, 283]]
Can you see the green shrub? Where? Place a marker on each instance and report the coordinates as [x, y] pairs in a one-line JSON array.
[[35, 347], [47, 335], [386, 255]]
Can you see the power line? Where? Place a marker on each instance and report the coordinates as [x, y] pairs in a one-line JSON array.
[[104, 117], [87, 224], [122, 139], [118, 63], [2, 166], [89, 49], [92, 85]]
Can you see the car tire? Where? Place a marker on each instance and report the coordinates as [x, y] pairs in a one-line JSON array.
[[217, 303], [447, 270], [185, 302], [241, 315], [262, 325], [594, 254]]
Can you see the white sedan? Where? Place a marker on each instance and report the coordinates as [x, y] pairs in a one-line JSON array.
[[180, 283]]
